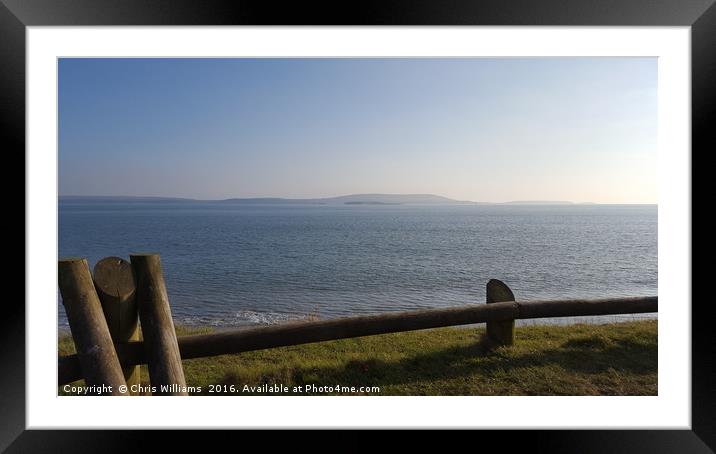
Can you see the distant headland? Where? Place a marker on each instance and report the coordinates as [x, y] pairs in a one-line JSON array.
[[352, 199]]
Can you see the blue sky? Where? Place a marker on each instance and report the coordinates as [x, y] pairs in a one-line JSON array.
[[579, 129]]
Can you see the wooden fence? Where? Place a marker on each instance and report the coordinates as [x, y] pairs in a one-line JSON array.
[[103, 313]]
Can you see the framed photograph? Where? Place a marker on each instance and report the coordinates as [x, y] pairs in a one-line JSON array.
[[412, 216]]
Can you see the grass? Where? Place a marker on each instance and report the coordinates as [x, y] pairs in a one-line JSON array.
[[585, 359]]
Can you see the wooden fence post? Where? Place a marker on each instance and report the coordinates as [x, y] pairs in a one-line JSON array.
[[160, 340], [114, 281], [499, 333], [97, 356]]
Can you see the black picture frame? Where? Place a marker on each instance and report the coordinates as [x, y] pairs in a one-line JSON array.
[[700, 15]]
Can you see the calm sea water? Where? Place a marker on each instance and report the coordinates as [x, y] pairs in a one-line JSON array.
[[232, 265]]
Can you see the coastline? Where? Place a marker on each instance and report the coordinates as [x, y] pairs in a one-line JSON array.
[[64, 329]]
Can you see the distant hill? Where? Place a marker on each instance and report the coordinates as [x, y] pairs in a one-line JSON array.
[[353, 199], [422, 199], [267, 200], [358, 202], [120, 198], [538, 202], [361, 199]]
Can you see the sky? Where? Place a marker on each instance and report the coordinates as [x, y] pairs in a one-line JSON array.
[[479, 129]]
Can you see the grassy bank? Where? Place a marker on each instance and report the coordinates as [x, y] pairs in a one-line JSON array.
[[613, 359]]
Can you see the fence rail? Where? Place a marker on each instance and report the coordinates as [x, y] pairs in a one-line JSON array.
[[237, 341]]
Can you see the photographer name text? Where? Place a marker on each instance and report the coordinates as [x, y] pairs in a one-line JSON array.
[[223, 389]]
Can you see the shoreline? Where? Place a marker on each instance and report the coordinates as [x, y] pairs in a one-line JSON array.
[[562, 321]]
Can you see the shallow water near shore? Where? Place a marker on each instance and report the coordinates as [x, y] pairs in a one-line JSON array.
[[232, 265]]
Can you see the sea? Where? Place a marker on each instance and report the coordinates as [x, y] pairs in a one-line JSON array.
[[236, 264]]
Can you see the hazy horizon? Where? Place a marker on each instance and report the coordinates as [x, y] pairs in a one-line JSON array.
[[525, 201], [472, 129]]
